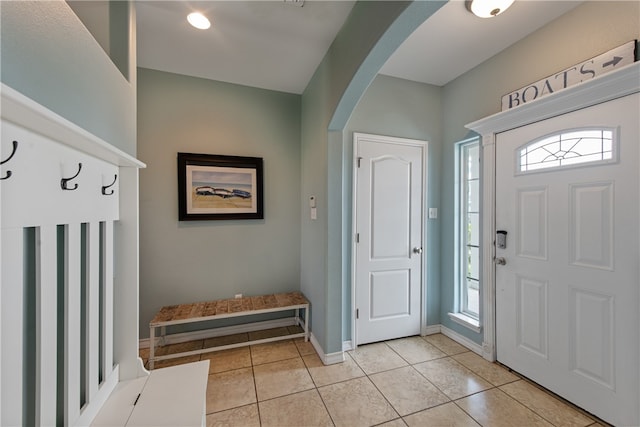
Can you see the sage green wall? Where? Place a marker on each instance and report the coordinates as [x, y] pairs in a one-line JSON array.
[[582, 33], [369, 36], [49, 56], [183, 262], [319, 101], [405, 109]]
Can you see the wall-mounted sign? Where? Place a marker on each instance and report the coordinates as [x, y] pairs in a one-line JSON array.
[[601, 64]]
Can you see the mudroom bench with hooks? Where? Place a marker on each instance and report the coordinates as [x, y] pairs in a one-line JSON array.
[[223, 309]]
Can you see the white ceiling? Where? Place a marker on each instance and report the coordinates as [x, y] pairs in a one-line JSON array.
[[278, 45], [267, 44], [453, 41]]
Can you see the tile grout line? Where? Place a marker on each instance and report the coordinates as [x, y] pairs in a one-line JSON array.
[[447, 356], [551, 394], [401, 367], [324, 404], [255, 386], [316, 387], [380, 391]]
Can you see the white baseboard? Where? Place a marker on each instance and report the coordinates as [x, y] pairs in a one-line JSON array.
[[217, 332], [460, 339], [431, 330], [327, 359], [426, 330]]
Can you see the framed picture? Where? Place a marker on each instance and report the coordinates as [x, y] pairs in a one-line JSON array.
[[212, 187]]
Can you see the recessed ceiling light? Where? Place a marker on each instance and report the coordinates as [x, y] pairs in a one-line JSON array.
[[488, 8], [198, 20]]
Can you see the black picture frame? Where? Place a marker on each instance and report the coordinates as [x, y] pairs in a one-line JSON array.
[[217, 187]]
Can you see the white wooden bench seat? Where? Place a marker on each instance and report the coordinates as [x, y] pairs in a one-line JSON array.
[[223, 309], [173, 396]]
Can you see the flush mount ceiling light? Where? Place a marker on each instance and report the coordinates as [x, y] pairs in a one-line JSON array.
[[198, 20], [488, 8]]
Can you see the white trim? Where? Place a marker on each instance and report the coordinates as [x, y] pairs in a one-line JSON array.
[[327, 359], [460, 239], [601, 89], [466, 321], [70, 142], [27, 113], [46, 324], [488, 204], [425, 191], [462, 340], [218, 332], [431, 330], [89, 412], [617, 84], [13, 323]]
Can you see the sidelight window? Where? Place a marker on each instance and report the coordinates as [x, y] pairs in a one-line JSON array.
[[468, 234]]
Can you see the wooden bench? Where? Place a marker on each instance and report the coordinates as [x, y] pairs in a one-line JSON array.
[[224, 309]]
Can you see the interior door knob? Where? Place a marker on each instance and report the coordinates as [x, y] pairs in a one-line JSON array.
[[500, 261], [417, 250]]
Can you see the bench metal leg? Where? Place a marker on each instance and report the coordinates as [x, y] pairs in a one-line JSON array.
[[306, 323], [152, 346]]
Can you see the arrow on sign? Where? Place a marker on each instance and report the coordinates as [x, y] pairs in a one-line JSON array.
[[613, 62]]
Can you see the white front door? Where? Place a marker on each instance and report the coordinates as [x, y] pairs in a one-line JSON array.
[[389, 187], [567, 281]]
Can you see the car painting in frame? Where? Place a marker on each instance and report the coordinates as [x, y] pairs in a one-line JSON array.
[[214, 187]]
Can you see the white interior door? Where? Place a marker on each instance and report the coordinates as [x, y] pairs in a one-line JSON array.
[[389, 187], [567, 297]]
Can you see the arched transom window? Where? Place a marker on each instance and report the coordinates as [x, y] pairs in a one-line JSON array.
[[568, 148]]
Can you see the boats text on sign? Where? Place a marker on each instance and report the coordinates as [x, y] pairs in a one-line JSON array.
[[597, 66]]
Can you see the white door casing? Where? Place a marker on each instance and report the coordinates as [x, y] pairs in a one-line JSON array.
[[389, 199], [565, 300], [601, 89]]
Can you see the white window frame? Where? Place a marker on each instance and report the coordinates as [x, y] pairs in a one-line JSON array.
[[606, 157], [462, 314]]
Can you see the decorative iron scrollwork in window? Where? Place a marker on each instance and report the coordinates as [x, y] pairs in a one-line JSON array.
[[568, 148]]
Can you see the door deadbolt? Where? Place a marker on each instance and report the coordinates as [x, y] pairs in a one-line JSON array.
[[501, 239]]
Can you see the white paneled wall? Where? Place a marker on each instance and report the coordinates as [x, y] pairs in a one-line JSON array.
[[60, 194]]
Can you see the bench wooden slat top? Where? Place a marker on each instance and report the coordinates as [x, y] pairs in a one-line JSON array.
[[173, 314]]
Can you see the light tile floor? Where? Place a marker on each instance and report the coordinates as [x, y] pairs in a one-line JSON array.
[[415, 381]]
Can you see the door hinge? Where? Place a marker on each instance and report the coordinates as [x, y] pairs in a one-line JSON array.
[[357, 313], [359, 160], [357, 237]]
